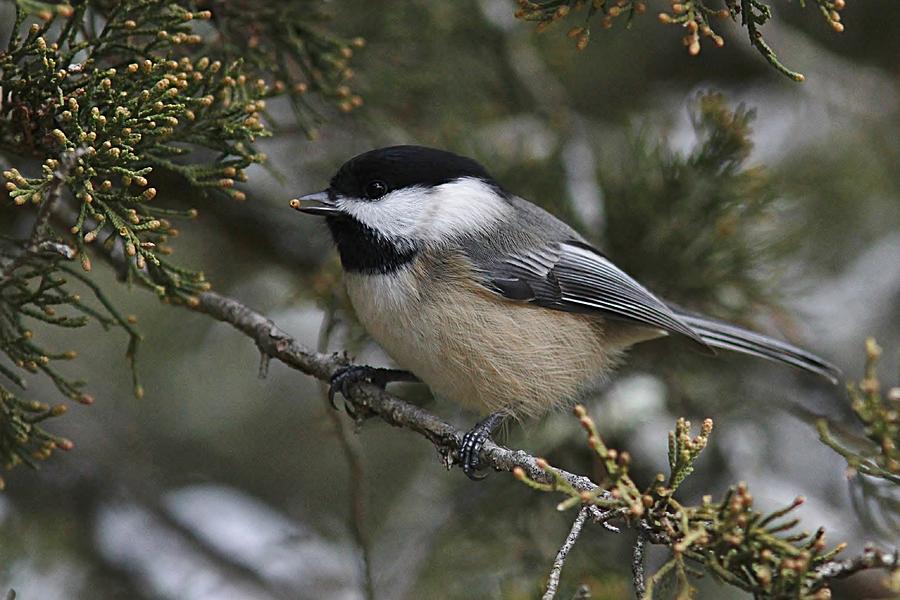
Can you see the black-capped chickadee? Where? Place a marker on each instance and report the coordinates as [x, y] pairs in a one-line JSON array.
[[489, 300]]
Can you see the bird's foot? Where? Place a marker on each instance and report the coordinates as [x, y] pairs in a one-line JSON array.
[[346, 377], [468, 454]]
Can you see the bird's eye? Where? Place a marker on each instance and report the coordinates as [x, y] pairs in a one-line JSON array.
[[376, 189]]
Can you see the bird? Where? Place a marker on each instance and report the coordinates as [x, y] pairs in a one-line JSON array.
[[488, 299]]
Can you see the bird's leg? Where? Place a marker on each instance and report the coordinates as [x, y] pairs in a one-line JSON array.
[[345, 377], [473, 441]]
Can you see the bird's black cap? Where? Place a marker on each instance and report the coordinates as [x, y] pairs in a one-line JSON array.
[[403, 166]]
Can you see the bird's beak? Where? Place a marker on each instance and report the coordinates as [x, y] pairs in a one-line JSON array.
[[319, 203]]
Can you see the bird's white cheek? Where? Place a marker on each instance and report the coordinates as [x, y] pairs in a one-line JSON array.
[[462, 207], [432, 215], [396, 215]]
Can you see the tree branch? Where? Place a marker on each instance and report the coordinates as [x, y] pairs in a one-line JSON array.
[[366, 397], [871, 558], [637, 565], [556, 571]]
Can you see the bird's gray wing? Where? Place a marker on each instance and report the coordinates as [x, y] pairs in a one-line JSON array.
[[574, 277]]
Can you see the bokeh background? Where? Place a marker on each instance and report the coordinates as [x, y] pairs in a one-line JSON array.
[[220, 484]]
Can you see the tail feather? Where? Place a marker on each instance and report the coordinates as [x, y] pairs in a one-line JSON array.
[[731, 337]]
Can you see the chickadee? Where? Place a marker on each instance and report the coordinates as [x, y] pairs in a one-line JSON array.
[[489, 300]]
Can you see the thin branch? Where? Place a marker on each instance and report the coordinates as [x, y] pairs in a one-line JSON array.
[[603, 517], [871, 558], [751, 20], [637, 565], [556, 571], [220, 558], [357, 479]]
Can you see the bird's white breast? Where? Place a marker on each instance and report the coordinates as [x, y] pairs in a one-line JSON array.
[[477, 349]]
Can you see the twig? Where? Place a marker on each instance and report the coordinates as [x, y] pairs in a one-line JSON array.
[[556, 571], [871, 558], [752, 20], [637, 565], [603, 517], [357, 472], [859, 462], [657, 577]]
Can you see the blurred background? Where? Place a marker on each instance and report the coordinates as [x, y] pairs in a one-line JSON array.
[[221, 484]]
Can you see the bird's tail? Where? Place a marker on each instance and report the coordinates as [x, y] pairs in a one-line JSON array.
[[731, 337]]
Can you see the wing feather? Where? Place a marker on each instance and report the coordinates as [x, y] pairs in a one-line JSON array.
[[731, 337], [572, 276]]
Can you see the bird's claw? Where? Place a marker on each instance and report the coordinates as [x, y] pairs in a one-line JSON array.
[[469, 452], [346, 377]]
